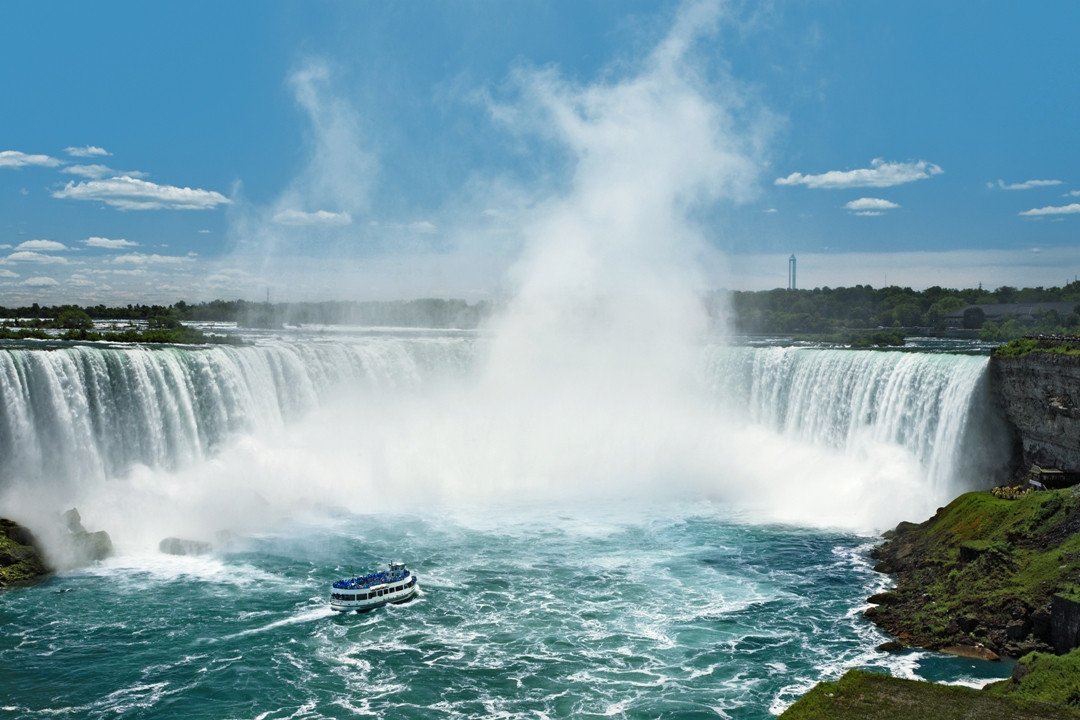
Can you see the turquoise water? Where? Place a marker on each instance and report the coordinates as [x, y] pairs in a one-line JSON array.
[[681, 611]]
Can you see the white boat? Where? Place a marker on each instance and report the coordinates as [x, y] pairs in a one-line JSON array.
[[366, 592]]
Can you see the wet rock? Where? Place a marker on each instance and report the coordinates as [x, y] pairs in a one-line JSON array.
[[883, 598], [976, 652], [891, 646], [183, 546], [86, 547], [21, 562]]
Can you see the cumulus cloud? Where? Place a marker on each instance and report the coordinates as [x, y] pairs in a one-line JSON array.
[[36, 257], [108, 243], [880, 174], [90, 171], [129, 193], [47, 245], [87, 151], [870, 206], [16, 159], [319, 217], [39, 281], [1026, 185], [151, 259], [7, 274], [1070, 209]]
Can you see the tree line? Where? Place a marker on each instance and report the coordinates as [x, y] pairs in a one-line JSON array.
[[819, 311]]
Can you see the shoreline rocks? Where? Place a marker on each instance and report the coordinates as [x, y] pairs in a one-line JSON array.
[[21, 561]]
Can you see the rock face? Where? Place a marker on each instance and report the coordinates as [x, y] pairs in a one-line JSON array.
[[1064, 623], [1040, 394]]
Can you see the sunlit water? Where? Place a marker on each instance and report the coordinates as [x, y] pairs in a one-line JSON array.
[[622, 591]]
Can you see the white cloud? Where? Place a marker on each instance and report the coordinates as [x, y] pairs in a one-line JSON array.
[[879, 174], [90, 171], [35, 257], [771, 211], [5, 247], [16, 159], [422, 226], [48, 245], [87, 151], [869, 213], [150, 259], [39, 281], [319, 217], [1070, 209], [204, 231], [870, 206], [1027, 184], [1074, 193], [128, 193], [109, 244], [7, 274]]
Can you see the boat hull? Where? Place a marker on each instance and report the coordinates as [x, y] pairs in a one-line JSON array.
[[368, 604]]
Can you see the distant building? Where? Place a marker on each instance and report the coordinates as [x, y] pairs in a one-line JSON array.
[[791, 272], [998, 311]]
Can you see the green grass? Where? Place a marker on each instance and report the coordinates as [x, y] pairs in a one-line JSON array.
[[861, 695], [1044, 678]]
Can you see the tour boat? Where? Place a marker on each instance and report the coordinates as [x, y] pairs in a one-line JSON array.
[[396, 585]]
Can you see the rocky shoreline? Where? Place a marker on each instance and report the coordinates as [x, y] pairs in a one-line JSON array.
[[23, 560], [992, 573]]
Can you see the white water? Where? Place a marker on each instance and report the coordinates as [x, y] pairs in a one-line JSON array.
[[151, 442]]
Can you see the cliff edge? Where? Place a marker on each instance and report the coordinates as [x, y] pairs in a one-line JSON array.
[[1037, 382]]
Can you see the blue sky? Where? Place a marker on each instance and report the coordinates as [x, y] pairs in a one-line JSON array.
[[161, 152]]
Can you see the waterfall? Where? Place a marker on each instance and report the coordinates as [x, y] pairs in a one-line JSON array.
[[934, 405], [408, 419], [85, 412]]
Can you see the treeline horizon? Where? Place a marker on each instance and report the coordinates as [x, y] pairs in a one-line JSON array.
[[820, 310]]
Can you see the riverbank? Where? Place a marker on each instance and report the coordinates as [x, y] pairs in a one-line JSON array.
[[991, 574]]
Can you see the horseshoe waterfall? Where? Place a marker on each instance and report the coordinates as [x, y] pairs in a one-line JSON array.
[[585, 549]]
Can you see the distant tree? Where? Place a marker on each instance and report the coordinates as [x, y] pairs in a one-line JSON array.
[[73, 318], [164, 321]]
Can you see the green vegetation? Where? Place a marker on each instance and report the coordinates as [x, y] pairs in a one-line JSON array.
[[861, 695], [838, 310], [982, 571], [1023, 346], [430, 312], [179, 336], [1044, 678]]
